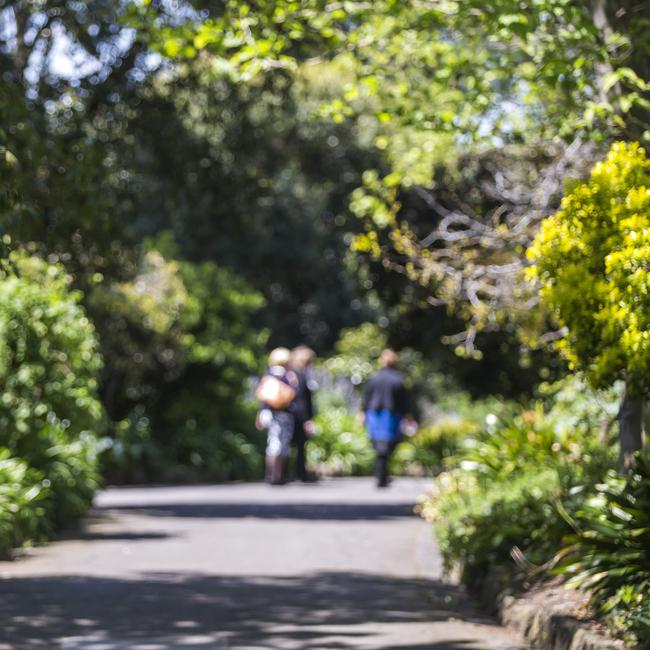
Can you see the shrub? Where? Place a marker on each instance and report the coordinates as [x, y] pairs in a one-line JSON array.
[[478, 526], [357, 352], [180, 346], [574, 405], [218, 454], [49, 411], [23, 511], [597, 247], [426, 451], [71, 471], [504, 486], [341, 445], [131, 455], [609, 552], [48, 357], [134, 456]]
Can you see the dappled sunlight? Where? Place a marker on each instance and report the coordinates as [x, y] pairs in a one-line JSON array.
[[286, 287], [297, 611]]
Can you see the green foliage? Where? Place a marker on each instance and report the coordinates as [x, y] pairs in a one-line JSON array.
[[180, 347], [457, 62], [131, 455], [136, 455], [597, 247], [341, 445], [356, 355], [478, 525], [574, 405], [426, 451], [512, 445], [70, 468], [48, 356], [448, 415], [478, 410], [503, 487], [532, 482], [609, 553], [255, 182], [218, 455], [506, 82], [23, 515], [50, 414], [356, 352]]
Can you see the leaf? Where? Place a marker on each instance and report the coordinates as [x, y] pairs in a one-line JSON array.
[[610, 80]]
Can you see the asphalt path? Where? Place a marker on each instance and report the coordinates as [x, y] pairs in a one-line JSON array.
[[337, 565]]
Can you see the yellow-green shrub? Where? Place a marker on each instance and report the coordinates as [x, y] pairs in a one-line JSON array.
[[593, 261]]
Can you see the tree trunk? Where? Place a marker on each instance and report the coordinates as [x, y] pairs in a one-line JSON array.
[[21, 52], [630, 418], [601, 22]]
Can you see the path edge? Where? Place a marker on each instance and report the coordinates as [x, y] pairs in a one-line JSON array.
[[545, 617]]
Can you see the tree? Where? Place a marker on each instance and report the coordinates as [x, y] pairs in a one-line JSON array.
[[593, 261], [528, 91], [542, 79], [247, 178], [242, 177], [66, 69]]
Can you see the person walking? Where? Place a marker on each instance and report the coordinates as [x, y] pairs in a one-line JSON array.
[[302, 407], [277, 391], [385, 405]]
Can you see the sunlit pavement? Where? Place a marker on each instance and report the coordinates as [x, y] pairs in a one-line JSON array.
[[333, 565]]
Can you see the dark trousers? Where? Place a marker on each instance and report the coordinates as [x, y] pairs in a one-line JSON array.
[[383, 451], [299, 439]]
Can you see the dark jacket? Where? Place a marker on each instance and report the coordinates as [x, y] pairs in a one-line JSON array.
[[385, 390], [302, 406]]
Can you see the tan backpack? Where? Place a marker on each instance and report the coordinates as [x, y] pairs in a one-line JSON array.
[[274, 393]]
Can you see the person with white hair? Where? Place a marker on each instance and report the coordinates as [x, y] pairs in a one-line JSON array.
[[276, 391]]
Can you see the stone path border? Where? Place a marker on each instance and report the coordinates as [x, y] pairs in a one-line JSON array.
[[547, 618]]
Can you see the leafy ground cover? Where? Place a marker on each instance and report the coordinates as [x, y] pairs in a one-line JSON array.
[[608, 552], [535, 492]]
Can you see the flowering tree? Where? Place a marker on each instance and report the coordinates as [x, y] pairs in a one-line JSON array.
[[593, 260]]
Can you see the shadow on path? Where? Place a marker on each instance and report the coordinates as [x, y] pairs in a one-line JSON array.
[[307, 511], [104, 536], [247, 612]]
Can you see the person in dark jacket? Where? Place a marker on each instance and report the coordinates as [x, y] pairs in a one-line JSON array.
[[302, 407], [385, 405]]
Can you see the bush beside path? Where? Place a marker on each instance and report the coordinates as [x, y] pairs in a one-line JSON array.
[[333, 565]]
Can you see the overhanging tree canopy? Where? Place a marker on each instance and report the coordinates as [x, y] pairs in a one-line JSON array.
[[439, 78]]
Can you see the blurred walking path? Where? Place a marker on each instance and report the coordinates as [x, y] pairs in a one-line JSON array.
[[334, 566]]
